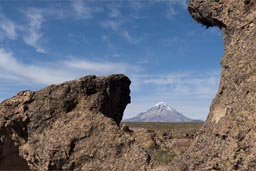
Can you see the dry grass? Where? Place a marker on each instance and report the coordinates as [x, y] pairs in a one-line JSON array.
[[181, 137], [178, 130], [161, 157]]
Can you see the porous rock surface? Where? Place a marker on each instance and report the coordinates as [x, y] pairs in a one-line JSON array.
[[71, 126], [227, 139]]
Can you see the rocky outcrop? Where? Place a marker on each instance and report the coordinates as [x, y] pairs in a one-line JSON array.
[[227, 139], [162, 141], [71, 126]]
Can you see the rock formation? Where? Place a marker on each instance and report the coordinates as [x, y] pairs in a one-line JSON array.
[[71, 126], [227, 139]]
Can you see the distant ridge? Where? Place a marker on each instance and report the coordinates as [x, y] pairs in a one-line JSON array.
[[161, 112]]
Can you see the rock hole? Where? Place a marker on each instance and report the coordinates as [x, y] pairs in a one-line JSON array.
[[247, 2], [72, 147], [9, 156]]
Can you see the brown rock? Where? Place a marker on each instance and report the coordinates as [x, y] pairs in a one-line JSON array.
[[125, 128], [146, 138], [227, 140], [71, 126]]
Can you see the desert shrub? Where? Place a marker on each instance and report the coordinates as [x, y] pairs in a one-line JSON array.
[[161, 157], [181, 146]]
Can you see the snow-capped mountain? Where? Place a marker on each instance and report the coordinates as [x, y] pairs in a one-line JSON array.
[[160, 112]]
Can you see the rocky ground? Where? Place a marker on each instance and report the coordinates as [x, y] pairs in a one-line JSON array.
[[162, 141]]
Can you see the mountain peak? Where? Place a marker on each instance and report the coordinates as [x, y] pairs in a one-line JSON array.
[[160, 112], [162, 106]]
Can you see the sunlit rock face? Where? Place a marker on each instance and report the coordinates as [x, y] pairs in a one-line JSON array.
[[70, 126], [227, 139]]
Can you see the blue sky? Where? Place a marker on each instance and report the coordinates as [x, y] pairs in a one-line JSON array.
[[167, 55]]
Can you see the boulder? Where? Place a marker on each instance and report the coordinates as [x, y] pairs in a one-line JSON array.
[[227, 139], [70, 126]]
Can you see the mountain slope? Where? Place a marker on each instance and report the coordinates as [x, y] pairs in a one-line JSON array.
[[160, 112]]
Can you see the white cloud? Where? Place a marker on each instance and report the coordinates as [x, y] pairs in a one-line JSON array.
[[30, 73], [7, 27], [112, 24], [166, 79], [189, 92], [105, 39], [116, 25], [182, 3], [114, 12], [187, 83], [129, 38], [117, 55], [81, 9], [34, 35], [61, 70], [98, 67], [171, 6], [170, 13], [137, 5]]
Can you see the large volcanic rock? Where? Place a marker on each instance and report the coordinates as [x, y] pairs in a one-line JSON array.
[[227, 139], [71, 126]]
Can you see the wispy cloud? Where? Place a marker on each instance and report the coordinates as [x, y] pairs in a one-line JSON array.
[[171, 5], [63, 70], [34, 35], [182, 3], [37, 17], [138, 5], [116, 25], [171, 12], [117, 55], [129, 38], [82, 10], [188, 92], [165, 79], [112, 24], [114, 12], [106, 39], [7, 27], [30, 73], [101, 67], [187, 83]]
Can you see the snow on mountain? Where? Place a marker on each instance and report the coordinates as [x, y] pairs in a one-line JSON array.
[[160, 112]]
